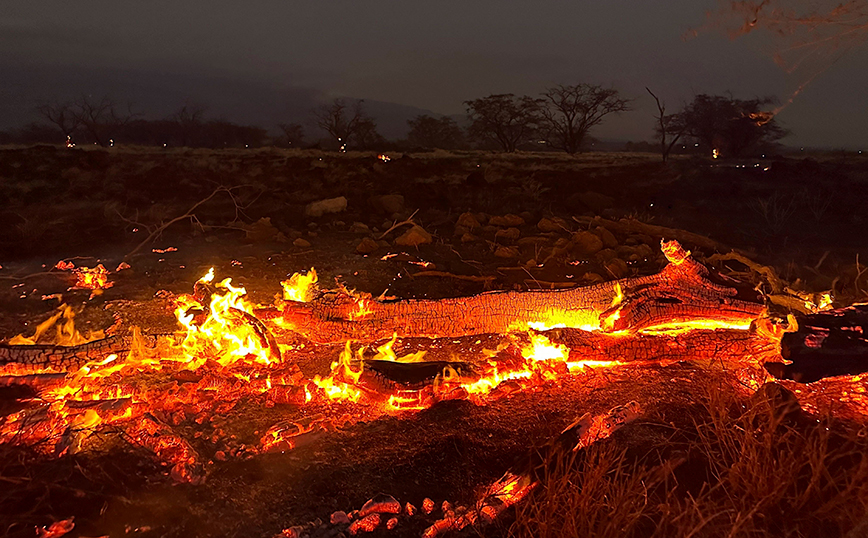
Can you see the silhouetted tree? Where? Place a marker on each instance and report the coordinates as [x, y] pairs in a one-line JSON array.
[[341, 121], [366, 136], [569, 112], [504, 119], [100, 118], [669, 128], [65, 116], [189, 121], [733, 126], [430, 132], [293, 134]]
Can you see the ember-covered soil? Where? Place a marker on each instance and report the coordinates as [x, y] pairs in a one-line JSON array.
[[495, 222]]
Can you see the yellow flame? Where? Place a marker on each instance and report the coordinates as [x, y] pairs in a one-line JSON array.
[[299, 287]]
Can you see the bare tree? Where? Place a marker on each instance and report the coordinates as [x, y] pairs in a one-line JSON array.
[[63, 115], [504, 119], [100, 118], [670, 127], [189, 120], [569, 112], [341, 121], [293, 133]]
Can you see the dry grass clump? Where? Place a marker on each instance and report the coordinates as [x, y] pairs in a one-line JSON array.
[[732, 469]]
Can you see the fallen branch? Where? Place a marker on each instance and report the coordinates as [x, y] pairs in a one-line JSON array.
[[444, 274], [190, 214], [626, 226]]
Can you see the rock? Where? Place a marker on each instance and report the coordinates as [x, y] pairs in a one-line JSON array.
[[506, 252], [360, 228], [387, 203], [469, 238], [555, 224], [644, 251], [262, 231], [301, 243], [618, 268], [781, 402], [414, 237], [624, 252], [527, 216], [587, 243], [506, 221], [366, 246], [339, 518], [489, 230], [508, 234], [532, 241], [461, 230], [329, 205], [606, 254], [482, 217], [380, 504], [592, 278], [609, 239], [468, 220]]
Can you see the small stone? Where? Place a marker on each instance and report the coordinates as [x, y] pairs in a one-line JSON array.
[[461, 230], [392, 523], [548, 225], [592, 278], [644, 251], [618, 268], [609, 239], [469, 238], [532, 241], [339, 518], [606, 254], [468, 220], [359, 228], [510, 234], [506, 252], [387, 203], [414, 237], [381, 504], [367, 246], [301, 243], [587, 243], [329, 205], [506, 220], [427, 505]]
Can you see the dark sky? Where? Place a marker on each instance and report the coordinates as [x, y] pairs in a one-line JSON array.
[[433, 55]]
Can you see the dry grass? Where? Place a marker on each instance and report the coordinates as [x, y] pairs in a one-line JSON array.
[[735, 469]]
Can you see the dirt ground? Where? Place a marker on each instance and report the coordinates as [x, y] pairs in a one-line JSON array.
[[803, 216]]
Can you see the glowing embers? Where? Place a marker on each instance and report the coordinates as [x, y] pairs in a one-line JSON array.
[[220, 325], [411, 382]]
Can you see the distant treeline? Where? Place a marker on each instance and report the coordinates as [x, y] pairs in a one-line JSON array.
[[560, 119]]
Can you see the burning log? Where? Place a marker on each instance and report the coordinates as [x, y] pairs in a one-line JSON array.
[[681, 294], [48, 358]]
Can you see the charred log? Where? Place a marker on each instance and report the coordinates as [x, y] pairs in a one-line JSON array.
[[826, 344], [680, 294]]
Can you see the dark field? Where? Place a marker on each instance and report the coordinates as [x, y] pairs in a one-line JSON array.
[[706, 458]]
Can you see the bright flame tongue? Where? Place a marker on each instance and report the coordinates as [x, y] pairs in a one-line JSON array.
[[299, 287], [224, 335], [65, 335]]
